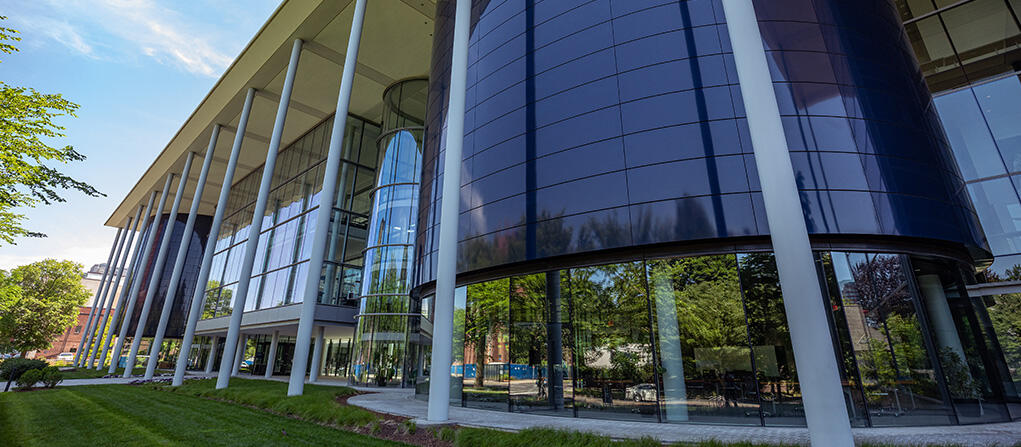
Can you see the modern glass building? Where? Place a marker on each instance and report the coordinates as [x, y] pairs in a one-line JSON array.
[[615, 230]]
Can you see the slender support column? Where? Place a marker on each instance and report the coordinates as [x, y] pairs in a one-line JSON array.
[[242, 344], [140, 226], [825, 410], [182, 253], [130, 236], [252, 245], [214, 233], [215, 343], [328, 197], [90, 353], [157, 271], [446, 264], [317, 355], [78, 357], [150, 241], [272, 356], [941, 318]]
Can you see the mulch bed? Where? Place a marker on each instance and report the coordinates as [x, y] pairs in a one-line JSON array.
[[396, 428]]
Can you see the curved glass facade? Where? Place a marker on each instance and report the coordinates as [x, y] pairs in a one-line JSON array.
[[704, 339], [386, 330], [607, 124]]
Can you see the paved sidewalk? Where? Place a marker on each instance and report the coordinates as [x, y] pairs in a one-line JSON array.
[[402, 402]]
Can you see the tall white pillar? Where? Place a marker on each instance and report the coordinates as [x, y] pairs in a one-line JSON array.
[[214, 232], [941, 317], [128, 275], [90, 353], [215, 343], [317, 355], [271, 356], [671, 359], [157, 271], [113, 295], [245, 275], [78, 357], [327, 198], [822, 395], [241, 345], [182, 253], [446, 265], [150, 241]]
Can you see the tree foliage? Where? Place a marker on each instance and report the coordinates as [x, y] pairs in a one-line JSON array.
[[48, 295], [27, 126]]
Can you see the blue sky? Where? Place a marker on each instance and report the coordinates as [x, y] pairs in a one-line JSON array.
[[137, 68]]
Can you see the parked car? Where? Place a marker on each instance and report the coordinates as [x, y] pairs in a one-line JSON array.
[[65, 356], [643, 392]]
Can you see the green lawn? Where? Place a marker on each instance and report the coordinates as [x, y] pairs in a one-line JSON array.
[[135, 415], [317, 403]]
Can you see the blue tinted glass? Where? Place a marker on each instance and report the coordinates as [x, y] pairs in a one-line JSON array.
[[969, 137], [1001, 104], [999, 210]]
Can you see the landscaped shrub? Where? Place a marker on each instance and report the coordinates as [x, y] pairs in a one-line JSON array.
[[51, 376], [12, 369], [29, 378]]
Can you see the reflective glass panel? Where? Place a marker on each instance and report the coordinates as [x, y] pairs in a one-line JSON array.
[[616, 378], [705, 361]]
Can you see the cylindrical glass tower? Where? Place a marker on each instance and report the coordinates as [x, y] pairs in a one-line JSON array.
[[385, 326]]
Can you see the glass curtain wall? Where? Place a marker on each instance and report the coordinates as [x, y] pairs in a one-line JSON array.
[[959, 41], [386, 334], [282, 256], [705, 339]]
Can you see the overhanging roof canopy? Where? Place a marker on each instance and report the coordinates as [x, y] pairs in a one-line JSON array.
[[396, 43]]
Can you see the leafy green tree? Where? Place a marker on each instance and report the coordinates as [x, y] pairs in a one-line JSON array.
[[485, 320], [1005, 315], [27, 124], [50, 294]]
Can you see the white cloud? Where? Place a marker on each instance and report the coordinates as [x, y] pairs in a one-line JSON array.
[[161, 33], [60, 31], [130, 29]]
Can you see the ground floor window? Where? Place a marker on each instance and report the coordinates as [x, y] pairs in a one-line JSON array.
[[704, 339]]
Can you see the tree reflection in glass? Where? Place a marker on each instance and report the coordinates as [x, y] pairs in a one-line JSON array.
[[896, 370], [615, 377], [705, 362], [485, 345]]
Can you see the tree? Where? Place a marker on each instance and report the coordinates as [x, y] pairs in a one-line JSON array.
[[48, 296], [26, 127]]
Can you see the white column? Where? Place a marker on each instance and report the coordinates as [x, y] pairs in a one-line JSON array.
[[128, 275], [271, 357], [317, 356], [150, 241], [215, 343], [78, 357], [446, 265], [90, 352], [328, 196], [113, 295], [241, 345], [197, 300], [182, 253], [822, 395], [252, 245], [671, 359], [941, 317], [157, 271]]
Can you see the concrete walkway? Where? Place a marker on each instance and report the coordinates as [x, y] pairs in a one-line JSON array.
[[402, 402]]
